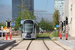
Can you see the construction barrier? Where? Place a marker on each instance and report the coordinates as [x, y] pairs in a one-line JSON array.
[[10, 33], [60, 36], [66, 33]]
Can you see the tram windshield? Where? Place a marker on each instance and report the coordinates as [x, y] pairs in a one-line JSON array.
[[28, 27]]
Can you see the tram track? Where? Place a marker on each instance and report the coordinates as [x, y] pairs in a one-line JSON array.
[[53, 42], [29, 45], [42, 42], [15, 45], [45, 44], [58, 45]]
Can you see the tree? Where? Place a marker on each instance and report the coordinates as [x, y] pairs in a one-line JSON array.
[[45, 25], [55, 18], [27, 15], [1, 24]]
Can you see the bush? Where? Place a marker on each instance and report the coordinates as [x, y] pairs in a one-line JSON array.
[[43, 35], [54, 34]]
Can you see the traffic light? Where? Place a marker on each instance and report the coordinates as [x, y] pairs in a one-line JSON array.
[[62, 25], [66, 21], [8, 23]]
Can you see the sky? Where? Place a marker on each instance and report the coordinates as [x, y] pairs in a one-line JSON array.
[[6, 8], [47, 5]]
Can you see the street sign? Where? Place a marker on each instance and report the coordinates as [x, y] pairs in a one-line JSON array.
[[19, 28], [1, 27], [22, 21], [13, 24], [2, 31], [5, 28], [57, 26]]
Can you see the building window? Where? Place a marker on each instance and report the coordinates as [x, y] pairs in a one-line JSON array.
[[71, 9], [60, 6]]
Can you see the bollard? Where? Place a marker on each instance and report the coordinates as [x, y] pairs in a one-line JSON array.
[[60, 36], [10, 33], [66, 33], [6, 36], [10, 36], [66, 37]]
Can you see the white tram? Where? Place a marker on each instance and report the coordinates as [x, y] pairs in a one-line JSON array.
[[28, 29]]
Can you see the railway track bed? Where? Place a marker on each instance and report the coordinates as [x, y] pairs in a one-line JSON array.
[[44, 45], [39, 45]]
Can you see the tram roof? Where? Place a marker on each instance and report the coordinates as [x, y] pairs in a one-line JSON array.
[[22, 21]]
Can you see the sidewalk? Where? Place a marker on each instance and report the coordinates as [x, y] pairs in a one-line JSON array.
[[6, 43], [70, 42]]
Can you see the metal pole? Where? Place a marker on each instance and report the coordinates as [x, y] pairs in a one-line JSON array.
[[22, 10], [10, 32], [6, 31], [2, 33]]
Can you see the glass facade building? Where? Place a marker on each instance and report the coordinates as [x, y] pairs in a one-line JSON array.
[[58, 5], [16, 9]]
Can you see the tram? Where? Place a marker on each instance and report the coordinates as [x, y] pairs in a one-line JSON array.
[[28, 29]]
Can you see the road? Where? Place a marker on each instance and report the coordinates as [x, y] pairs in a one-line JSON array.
[[37, 45]]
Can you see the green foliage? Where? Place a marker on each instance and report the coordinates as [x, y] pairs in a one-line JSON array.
[[55, 18], [2, 24], [45, 25], [43, 35], [54, 34], [27, 15]]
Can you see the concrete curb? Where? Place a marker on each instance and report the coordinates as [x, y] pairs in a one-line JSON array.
[[3, 46], [65, 42]]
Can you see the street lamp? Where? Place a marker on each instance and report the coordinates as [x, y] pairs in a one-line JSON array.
[[55, 31], [22, 9]]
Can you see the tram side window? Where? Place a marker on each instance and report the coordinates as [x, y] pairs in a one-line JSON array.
[[34, 29]]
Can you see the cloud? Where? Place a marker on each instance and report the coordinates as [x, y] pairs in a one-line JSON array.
[[5, 12]]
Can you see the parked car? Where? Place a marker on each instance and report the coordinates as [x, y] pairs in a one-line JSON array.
[[1, 34]]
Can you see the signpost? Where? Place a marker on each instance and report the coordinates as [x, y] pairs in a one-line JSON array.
[[2, 31], [13, 24], [19, 28], [57, 26], [22, 21], [55, 31]]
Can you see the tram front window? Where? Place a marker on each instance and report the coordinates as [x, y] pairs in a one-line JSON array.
[[28, 27]]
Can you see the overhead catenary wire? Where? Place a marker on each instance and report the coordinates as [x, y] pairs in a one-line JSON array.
[[46, 5]]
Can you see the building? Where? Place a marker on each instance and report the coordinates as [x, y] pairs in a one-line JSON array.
[[16, 9], [58, 5], [69, 12]]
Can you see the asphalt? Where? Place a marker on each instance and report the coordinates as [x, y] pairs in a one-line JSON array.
[[6, 43]]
